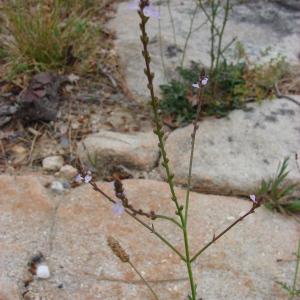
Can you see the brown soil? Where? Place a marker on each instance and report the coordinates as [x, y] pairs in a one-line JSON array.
[[98, 100]]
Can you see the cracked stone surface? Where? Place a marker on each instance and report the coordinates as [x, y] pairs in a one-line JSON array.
[[233, 154], [25, 226], [71, 232], [258, 25]]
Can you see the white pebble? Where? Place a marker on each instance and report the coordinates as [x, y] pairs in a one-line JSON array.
[[42, 271], [57, 187]]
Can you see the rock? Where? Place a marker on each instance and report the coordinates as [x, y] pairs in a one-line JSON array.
[[68, 172], [244, 264], [257, 24], [53, 163], [233, 154], [105, 151], [42, 271], [57, 187]]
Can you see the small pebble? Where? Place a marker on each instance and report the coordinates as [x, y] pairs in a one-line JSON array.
[[68, 172], [53, 163], [57, 187], [42, 272]]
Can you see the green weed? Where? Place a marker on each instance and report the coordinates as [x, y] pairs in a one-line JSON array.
[[277, 194], [175, 102], [233, 85]]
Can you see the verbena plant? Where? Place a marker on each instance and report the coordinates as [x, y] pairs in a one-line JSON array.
[[43, 38], [121, 204]]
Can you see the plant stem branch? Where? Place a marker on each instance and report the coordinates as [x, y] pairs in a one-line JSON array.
[[228, 45], [213, 28], [169, 219], [209, 17], [187, 199], [172, 22], [189, 34], [225, 19], [215, 238]]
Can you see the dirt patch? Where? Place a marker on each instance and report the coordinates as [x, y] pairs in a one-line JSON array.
[[92, 101]]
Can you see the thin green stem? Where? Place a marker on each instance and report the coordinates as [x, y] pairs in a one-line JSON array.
[[169, 219], [189, 34], [199, 27], [212, 37], [215, 238], [297, 269], [172, 22], [189, 263], [208, 17], [143, 279], [225, 19], [97, 189], [228, 45], [187, 199]]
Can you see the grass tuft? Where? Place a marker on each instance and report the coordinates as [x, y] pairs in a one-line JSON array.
[[47, 35], [277, 194]]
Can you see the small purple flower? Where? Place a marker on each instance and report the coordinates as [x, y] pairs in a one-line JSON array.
[[87, 178], [78, 178], [149, 11], [253, 198], [118, 208], [202, 82]]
